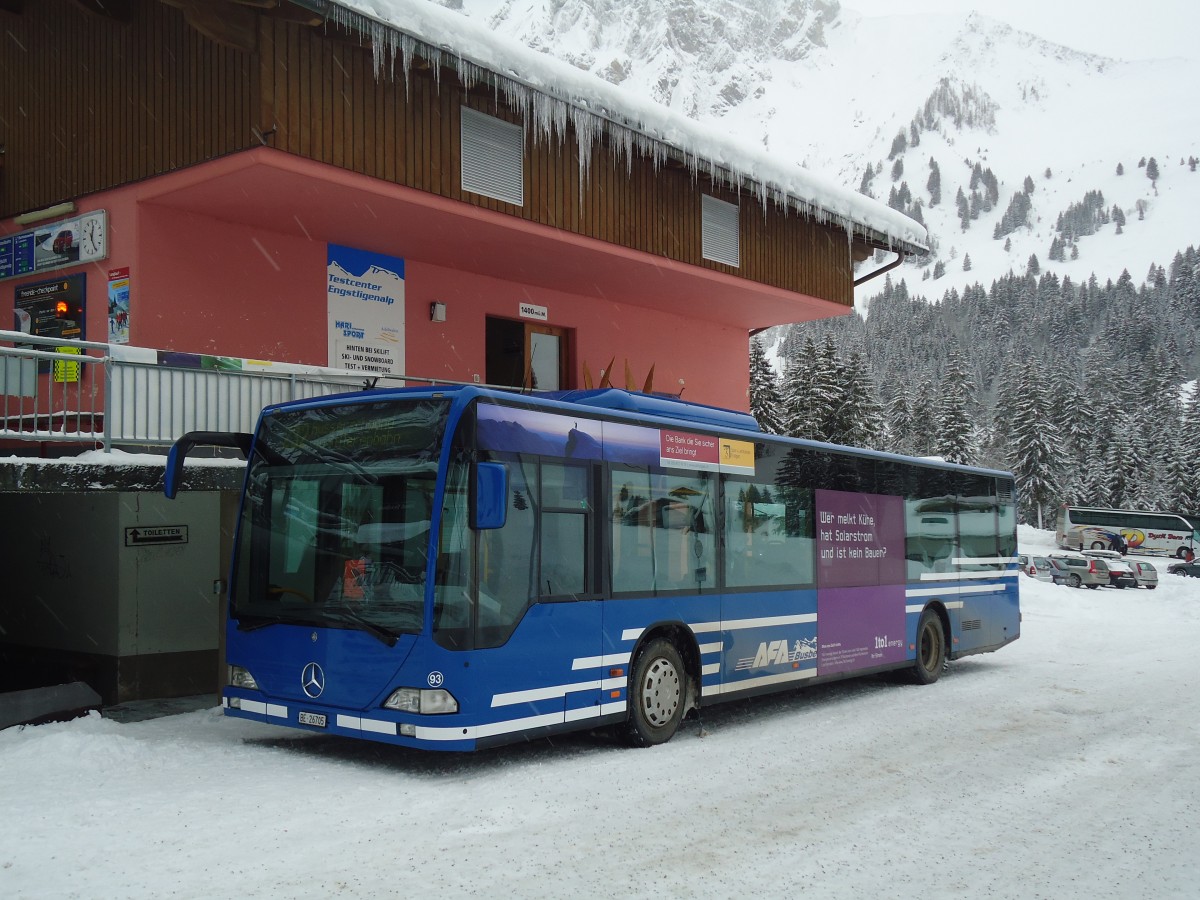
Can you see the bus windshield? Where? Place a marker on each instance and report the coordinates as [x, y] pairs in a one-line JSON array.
[[335, 526]]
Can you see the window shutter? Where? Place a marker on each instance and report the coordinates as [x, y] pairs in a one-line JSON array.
[[720, 235], [493, 157]]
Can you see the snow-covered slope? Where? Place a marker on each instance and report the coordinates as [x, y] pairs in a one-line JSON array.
[[819, 84]]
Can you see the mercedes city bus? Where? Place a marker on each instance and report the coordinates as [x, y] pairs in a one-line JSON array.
[[457, 567]]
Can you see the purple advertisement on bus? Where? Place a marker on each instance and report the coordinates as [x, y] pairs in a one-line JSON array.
[[860, 580]]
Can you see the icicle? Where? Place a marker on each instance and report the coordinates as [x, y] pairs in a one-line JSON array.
[[550, 116]]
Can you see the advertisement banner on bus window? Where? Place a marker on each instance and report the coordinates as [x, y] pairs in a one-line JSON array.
[[860, 580], [531, 431]]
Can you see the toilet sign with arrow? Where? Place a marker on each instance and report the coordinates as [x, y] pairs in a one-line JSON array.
[[139, 536]]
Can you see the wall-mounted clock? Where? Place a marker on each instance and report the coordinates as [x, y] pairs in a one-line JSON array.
[[93, 240]]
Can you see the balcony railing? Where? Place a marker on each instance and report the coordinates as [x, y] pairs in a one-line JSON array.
[[112, 394]]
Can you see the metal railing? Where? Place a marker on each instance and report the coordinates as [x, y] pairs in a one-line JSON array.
[[107, 394]]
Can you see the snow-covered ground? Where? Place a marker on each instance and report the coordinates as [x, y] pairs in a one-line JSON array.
[[1064, 766]]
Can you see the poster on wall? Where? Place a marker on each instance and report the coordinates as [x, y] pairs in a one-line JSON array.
[[366, 311], [54, 245], [118, 306], [52, 308]]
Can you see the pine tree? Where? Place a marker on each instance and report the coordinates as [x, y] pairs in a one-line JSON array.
[[864, 186], [899, 420], [967, 262], [859, 421], [934, 184], [1152, 169], [800, 414], [766, 403], [1120, 169], [1034, 444], [1033, 267], [827, 393], [954, 440]]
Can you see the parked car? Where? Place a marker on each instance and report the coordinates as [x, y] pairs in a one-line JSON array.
[[1144, 572], [1083, 571], [1191, 569], [1120, 573], [1043, 569]]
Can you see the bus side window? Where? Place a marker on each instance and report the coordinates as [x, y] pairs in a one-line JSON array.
[[632, 531], [564, 529]]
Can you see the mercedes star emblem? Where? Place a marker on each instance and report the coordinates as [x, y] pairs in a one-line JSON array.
[[312, 679]]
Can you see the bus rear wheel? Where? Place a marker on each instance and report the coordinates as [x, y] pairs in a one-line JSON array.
[[931, 650], [657, 686]]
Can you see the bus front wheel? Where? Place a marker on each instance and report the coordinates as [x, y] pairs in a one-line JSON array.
[[657, 685], [931, 649]]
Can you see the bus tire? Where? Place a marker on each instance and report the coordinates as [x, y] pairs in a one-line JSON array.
[[1181, 553], [931, 649], [1099, 545], [657, 689]]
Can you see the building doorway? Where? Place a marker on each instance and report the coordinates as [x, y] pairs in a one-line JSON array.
[[526, 354]]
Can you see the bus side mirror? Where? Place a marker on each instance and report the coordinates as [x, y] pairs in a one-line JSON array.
[[173, 476], [489, 508]]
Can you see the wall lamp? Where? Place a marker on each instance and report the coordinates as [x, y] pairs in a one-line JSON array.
[[50, 212], [437, 312]]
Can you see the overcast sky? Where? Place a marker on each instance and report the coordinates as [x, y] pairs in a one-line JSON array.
[[1117, 28]]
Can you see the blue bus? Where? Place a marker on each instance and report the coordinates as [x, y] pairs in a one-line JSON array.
[[453, 568]]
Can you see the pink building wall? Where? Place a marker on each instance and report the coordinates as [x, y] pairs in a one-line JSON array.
[[230, 259]]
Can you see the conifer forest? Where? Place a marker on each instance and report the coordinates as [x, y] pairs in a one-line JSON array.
[[1081, 390]]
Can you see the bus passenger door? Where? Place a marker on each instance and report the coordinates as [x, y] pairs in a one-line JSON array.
[[539, 615]]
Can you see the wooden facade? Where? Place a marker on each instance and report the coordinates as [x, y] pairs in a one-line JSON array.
[[96, 101]]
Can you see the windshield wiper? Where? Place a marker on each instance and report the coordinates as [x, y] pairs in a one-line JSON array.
[[349, 616], [253, 623]]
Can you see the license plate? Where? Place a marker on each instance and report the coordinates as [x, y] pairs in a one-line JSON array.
[[317, 719]]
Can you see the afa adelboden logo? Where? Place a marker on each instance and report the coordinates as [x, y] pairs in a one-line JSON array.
[[779, 652]]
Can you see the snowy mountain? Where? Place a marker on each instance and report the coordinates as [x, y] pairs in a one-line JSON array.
[[822, 85]]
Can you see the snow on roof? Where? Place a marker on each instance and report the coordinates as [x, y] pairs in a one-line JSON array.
[[553, 94]]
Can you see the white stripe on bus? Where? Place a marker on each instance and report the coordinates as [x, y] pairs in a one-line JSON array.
[[739, 624], [543, 693], [732, 687], [714, 647], [599, 662], [378, 726], [952, 604], [950, 589], [279, 712], [963, 576]]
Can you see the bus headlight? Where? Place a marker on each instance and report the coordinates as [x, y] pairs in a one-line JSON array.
[[422, 701], [241, 678]]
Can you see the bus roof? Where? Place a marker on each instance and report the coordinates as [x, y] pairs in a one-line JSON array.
[[628, 405]]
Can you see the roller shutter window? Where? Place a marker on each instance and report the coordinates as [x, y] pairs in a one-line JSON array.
[[493, 157], [721, 238]]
